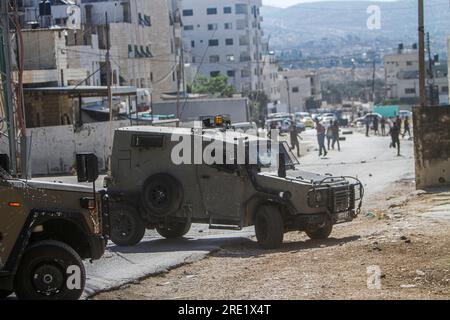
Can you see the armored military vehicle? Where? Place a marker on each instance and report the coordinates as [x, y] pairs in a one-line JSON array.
[[46, 230], [150, 187]]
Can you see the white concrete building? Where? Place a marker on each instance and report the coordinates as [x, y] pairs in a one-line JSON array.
[[402, 77], [225, 38], [300, 91], [271, 78]]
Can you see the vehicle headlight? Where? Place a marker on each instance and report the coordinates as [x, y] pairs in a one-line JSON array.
[[317, 198]]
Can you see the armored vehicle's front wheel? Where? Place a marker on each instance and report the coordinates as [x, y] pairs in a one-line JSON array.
[[321, 233], [127, 227], [269, 227], [174, 230], [5, 294], [50, 270]]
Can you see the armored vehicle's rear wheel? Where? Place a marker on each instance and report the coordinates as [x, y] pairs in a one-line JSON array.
[[162, 195], [321, 233], [174, 230], [127, 227], [50, 270], [5, 294], [269, 227]]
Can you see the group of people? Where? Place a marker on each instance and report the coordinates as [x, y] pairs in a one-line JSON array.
[[395, 128], [331, 133]]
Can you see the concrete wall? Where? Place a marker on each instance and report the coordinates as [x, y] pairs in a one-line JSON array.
[[54, 149], [432, 146], [237, 108]]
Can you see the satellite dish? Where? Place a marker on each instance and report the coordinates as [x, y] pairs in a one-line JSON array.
[[73, 17]]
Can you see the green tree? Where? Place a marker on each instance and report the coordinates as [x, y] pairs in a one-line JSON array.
[[217, 86]]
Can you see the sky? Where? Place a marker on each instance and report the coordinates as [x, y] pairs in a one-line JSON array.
[[287, 3]]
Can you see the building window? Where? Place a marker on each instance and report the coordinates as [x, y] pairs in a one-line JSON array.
[[188, 13], [214, 59], [410, 90], [213, 43], [192, 44], [295, 90], [211, 11], [229, 42], [241, 9], [228, 26], [212, 26], [409, 63], [227, 10], [231, 73], [188, 28], [230, 57], [214, 74]]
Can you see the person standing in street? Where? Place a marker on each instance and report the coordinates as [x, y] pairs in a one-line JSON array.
[[321, 138], [383, 126], [375, 125], [407, 128], [335, 131], [367, 126], [295, 135], [395, 136], [329, 135]]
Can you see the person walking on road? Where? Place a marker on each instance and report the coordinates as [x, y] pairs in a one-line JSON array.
[[375, 125], [383, 126], [367, 126], [395, 136], [335, 130], [321, 138], [295, 135], [406, 128], [329, 134]]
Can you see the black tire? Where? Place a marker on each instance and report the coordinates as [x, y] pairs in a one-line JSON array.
[[321, 233], [162, 195], [5, 294], [174, 230], [43, 272], [269, 227], [127, 226]]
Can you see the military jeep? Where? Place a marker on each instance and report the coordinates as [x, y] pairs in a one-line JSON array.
[[149, 190], [46, 230]]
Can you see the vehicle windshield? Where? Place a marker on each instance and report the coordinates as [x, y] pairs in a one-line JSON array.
[[268, 157]]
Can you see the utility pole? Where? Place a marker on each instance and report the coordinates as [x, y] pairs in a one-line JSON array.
[[109, 75], [177, 47], [430, 72], [7, 85], [289, 95], [373, 81], [422, 67]]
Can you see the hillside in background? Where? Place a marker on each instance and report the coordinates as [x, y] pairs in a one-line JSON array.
[[345, 22]]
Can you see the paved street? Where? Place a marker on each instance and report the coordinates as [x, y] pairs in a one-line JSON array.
[[369, 159]]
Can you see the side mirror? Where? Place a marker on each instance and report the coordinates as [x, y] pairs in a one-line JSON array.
[[87, 167], [282, 165], [4, 162]]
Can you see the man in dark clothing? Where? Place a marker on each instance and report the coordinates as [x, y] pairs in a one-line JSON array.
[[335, 131], [395, 135], [367, 126], [375, 125], [295, 135], [407, 128], [321, 138], [383, 126]]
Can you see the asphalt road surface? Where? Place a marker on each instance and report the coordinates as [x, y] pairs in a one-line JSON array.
[[368, 159]]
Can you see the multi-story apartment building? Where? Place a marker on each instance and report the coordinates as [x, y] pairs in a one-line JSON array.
[[300, 90], [271, 78], [141, 35], [402, 77], [225, 38]]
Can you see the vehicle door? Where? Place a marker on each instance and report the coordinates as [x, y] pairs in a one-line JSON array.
[[222, 189]]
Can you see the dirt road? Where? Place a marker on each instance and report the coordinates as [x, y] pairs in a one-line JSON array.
[[403, 240]]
